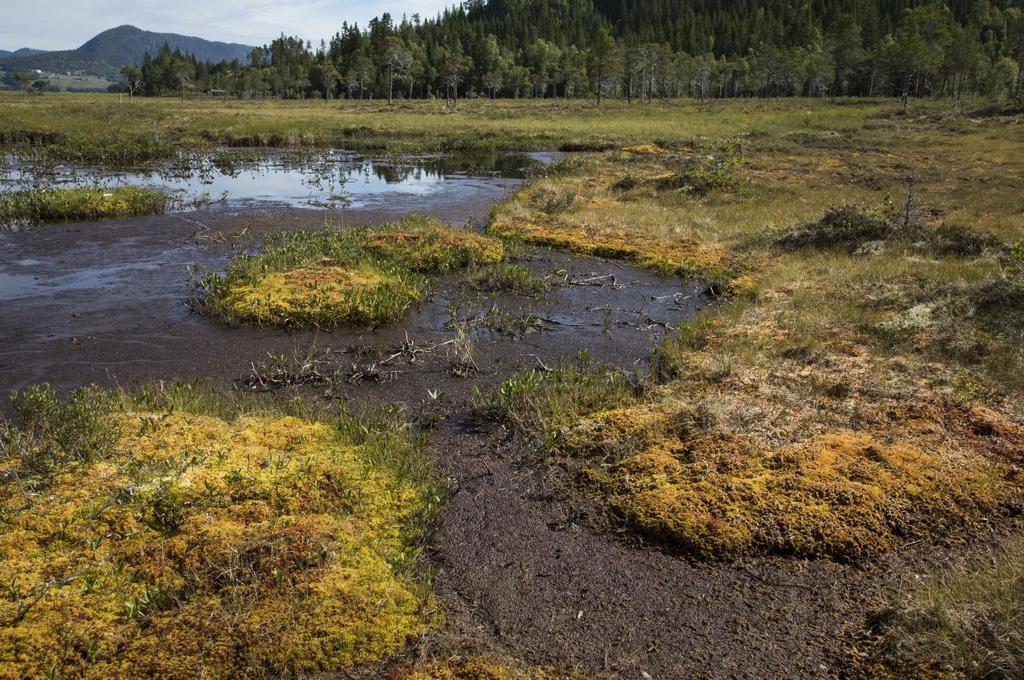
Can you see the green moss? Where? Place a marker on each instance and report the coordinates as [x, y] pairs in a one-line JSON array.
[[246, 546], [33, 206], [342, 277]]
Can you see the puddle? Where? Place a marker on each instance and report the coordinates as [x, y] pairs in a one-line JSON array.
[[332, 179]]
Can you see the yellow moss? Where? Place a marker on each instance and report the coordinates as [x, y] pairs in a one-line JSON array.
[[207, 547], [645, 150], [843, 495], [327, 294], [424, 245], [681, 256]]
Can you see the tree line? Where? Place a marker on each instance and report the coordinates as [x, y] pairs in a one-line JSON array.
[[643, 50]]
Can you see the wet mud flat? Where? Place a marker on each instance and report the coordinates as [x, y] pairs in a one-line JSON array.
[[107, 303]]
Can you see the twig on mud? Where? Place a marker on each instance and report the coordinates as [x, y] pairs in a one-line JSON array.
[[600, 280], [326, 367]]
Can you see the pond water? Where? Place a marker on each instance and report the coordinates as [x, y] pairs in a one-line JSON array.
[[321, 179]]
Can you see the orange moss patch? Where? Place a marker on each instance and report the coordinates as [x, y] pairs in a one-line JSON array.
[[842, 495], [203, 547], [428, 247], [684, 257], [645, 150]]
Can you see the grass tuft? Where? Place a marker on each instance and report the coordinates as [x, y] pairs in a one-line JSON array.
[[33, 206]]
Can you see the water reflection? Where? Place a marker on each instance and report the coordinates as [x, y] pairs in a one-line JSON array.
[[293, 178]]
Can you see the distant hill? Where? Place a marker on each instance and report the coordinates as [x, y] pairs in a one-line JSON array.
[[105, 54], [23, 52]]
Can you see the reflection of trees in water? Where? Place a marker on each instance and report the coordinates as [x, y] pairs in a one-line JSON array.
[[324, 172]]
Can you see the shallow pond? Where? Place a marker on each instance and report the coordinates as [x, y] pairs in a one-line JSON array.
[[328, 179]]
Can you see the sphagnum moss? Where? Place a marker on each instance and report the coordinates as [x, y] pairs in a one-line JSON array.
[[209, 546], [343, 277]]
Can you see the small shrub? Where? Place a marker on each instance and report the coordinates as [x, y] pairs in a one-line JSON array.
[[703, 175], [956, 240], [55, 433], [846, 227]]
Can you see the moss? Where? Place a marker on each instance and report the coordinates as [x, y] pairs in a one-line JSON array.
[[841, 495], [645, 150], [33, 206], [254, 546], [321, 296], [342, 277]]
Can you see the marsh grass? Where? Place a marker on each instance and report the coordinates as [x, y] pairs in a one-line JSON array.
[[966, 619], [342, 277], [34, 206], [541, 402], [184, 530], [507, 278], [830, 404]]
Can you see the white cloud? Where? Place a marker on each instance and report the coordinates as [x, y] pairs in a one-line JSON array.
[[66, 24]]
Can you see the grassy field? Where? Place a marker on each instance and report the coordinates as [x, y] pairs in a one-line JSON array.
[[100, 129]]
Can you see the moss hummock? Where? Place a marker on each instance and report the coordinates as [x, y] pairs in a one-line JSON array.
[[333, 278], [33, 206], [208, 546]]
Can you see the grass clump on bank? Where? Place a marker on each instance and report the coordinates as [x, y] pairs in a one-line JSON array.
[[175, 532], [33, 206], [342, 277], [960, 621], [512, 279]]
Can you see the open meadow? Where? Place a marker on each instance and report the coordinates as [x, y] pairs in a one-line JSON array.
[[511, 389]]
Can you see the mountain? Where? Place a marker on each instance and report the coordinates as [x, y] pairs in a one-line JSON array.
[[105, 54], [23, 52]]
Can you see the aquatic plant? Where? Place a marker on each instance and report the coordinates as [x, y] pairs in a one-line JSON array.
[[32, 206]]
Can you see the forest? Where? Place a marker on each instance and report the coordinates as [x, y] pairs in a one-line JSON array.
[[644, 50]]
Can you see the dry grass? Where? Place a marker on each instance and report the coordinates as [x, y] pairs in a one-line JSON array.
[[965, 620]]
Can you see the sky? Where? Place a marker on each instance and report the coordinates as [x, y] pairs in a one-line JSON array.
[[66, 24]]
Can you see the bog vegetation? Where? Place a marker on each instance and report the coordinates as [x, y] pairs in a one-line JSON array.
[[179, 531], [330, 278], [33, 206]]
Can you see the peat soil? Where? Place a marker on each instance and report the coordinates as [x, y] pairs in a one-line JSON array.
[[524, 565]]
